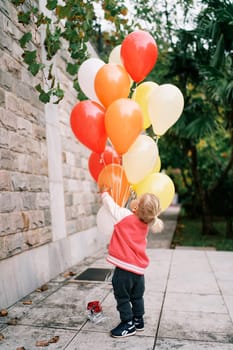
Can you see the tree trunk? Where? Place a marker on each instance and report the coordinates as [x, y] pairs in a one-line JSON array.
[[229, 228], [207, 225]]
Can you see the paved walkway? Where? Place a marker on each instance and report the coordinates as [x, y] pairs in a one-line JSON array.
[[188, 302]]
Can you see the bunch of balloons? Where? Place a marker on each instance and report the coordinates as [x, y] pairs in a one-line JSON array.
[[112, 124]]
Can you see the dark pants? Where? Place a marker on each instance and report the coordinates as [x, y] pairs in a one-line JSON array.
[[128, 288]]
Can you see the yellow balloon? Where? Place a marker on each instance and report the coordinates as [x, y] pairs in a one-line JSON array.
[[159, 184], [142, 96], [140, 158], [157, 166]]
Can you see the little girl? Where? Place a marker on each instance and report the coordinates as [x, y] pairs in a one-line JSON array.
[[127, 251]]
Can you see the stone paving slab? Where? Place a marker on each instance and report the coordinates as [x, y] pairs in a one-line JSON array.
[[102, 341], [27, 336], [195, 303], [196, 326], [169, 344], [188, 304], [67, 307], [229, 302]]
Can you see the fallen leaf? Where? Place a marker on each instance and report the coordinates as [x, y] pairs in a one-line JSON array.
[[3, 312], [27, 302], [68, 273], [13, 321], [1, 336], [43, 288], [21, 348], [54, 339], [42, 343]]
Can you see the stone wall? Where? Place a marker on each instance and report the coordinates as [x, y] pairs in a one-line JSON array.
[[48, 199]]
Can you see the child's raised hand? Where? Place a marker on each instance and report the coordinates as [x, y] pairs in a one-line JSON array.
[[103, 189]]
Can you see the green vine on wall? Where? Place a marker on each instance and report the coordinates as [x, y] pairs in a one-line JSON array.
[[74, 21]]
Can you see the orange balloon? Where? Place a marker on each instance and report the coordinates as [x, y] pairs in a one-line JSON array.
[[114, 178], [123, 123], [111, 83]]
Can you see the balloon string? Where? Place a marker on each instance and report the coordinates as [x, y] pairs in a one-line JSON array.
[[102, 159], [120, 185], [126, 196], [133, 87], [126, 193], [157, 139]]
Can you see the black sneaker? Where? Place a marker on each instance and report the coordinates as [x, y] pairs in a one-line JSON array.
[[124, 329], [139, 323]]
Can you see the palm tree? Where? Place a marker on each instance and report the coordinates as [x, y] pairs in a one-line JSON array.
[[203, 71], [215, 22]]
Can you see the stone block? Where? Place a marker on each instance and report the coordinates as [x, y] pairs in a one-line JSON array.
[[4, 138], [11, 244], [36, 237], [23, 163], [5, 181], [42, 200], [9, 201], [8, 120], [28, 201], [7, 159], [9, 64], [2, 99], [6, 80]]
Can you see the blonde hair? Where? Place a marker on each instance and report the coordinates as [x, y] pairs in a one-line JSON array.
[[148, 207]]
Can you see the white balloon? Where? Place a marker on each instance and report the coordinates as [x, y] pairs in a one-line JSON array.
[[105, 222], [166, 104], [115, 55], [140, 159], [86, 77]]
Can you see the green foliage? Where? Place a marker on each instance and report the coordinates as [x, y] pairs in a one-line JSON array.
[[24, 17], [46, 96], [189, 233], [74, 21], [26, 38]]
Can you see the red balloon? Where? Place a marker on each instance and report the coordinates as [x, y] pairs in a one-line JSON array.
[[97, 161], [87, 124], [139, 54]]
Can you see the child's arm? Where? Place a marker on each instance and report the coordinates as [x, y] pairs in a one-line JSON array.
[[117, 212]]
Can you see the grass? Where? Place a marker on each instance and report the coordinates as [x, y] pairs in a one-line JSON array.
[[188, 233]]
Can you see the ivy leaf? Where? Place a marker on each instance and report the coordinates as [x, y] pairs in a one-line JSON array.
[[81, 96], [25, 39], [71, 68], [58, 92], [52, 42], [44, 96], [35, 67], [24, 17], [29, 57], [51, 4], [18, 2], [38, 88], [62, 11]]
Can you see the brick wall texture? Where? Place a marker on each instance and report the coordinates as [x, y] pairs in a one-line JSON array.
[[25, 216]]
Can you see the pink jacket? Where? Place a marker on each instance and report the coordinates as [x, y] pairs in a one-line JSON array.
[[127, 248]]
